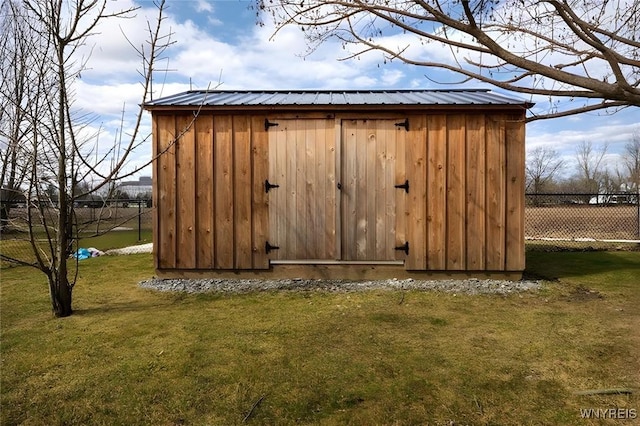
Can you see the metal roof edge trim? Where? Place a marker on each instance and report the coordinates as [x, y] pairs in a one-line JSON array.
[[336, 109], [198, 98]]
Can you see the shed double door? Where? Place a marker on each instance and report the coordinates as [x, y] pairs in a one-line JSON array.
[[336, 197]]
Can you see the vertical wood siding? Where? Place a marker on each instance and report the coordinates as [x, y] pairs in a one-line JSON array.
[[495, 202], [185, 253], [467, 210], [302, 208], [205, 206], [456, 213], [370, 171], [209, 182], [475, 192], [515, 194], [416, 173], [464, 209], [436, 192], [165, 179], [260, 208]]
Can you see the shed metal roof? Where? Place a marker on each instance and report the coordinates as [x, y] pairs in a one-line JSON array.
[[335, 98]]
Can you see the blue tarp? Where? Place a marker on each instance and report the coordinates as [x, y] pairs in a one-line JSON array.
[[86, 253]]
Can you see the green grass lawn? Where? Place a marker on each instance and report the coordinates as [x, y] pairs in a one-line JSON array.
[[134, 356]]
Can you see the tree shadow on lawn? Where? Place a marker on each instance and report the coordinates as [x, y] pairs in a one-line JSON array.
[[556, 265]]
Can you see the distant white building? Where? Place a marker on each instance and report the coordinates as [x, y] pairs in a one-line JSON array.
[[137, 189]]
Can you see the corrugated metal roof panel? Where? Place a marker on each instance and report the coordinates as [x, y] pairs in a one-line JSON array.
[[255, 98]]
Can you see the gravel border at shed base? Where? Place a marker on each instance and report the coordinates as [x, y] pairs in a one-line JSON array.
[[466, 286]]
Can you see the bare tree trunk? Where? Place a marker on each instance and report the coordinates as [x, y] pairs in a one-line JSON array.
[[4, 216], [60, 291]]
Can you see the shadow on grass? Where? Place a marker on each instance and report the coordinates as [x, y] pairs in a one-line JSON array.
[[557, 265], [134, 306]]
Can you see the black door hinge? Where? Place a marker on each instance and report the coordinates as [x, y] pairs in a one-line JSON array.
[[268, 124], [268, 185], [404, 248], [404, 124], [404, 186], [268, 247]]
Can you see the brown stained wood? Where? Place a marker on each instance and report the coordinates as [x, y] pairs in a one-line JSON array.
[[260, 210], [391, 194], [374, 218], [416, 154], [310, 188], [324, 162], [348, 191], [289, 247], [362, 195], [514, 137], [204, 192], [495, 193], [400, 199], [476, 212], [339, 271], [185, 193], [337, 147], [379, 164], [302, 209], [301, 229], [277, 197], [456, 209], [368, 192], [321, 190], [223, 176], [242, 192], [436, 182], [155, 141], [166, 201], [464, 211], [387, 171], [321, 200], [332, 135]]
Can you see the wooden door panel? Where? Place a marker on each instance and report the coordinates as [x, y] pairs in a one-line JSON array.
[[301, 162], [368, 196]]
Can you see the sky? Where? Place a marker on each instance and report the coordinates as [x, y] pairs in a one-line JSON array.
[[218, 44]]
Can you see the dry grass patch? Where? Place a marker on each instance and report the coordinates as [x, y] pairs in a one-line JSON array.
[[134, 356], [582, 221]]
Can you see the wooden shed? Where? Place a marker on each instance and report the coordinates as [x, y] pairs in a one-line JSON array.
[[342, 184]]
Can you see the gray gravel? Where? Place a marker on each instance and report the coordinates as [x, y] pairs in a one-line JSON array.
[[466, 286]]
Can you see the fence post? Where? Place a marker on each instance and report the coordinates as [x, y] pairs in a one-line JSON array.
[[139, 220], [638, 211]]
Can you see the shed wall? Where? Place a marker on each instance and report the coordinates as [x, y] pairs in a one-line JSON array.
[[211, 210], [464, 210]]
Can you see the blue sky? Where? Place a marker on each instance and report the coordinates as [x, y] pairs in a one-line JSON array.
[[220, 40]]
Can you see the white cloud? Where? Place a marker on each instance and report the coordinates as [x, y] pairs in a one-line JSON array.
[[256, 60], [565, 135], [203, 6]]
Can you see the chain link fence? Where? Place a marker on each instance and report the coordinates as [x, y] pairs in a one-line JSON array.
[[105, 225], [582, 220], [578, 221]]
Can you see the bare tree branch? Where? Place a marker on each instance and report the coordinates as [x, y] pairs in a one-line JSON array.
[[44, 130], [587, 50]]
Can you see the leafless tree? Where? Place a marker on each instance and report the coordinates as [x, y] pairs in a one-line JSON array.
[[587, 50], [590, 164], [631, 161], [542, 166], [18, 63], [58, 154]]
